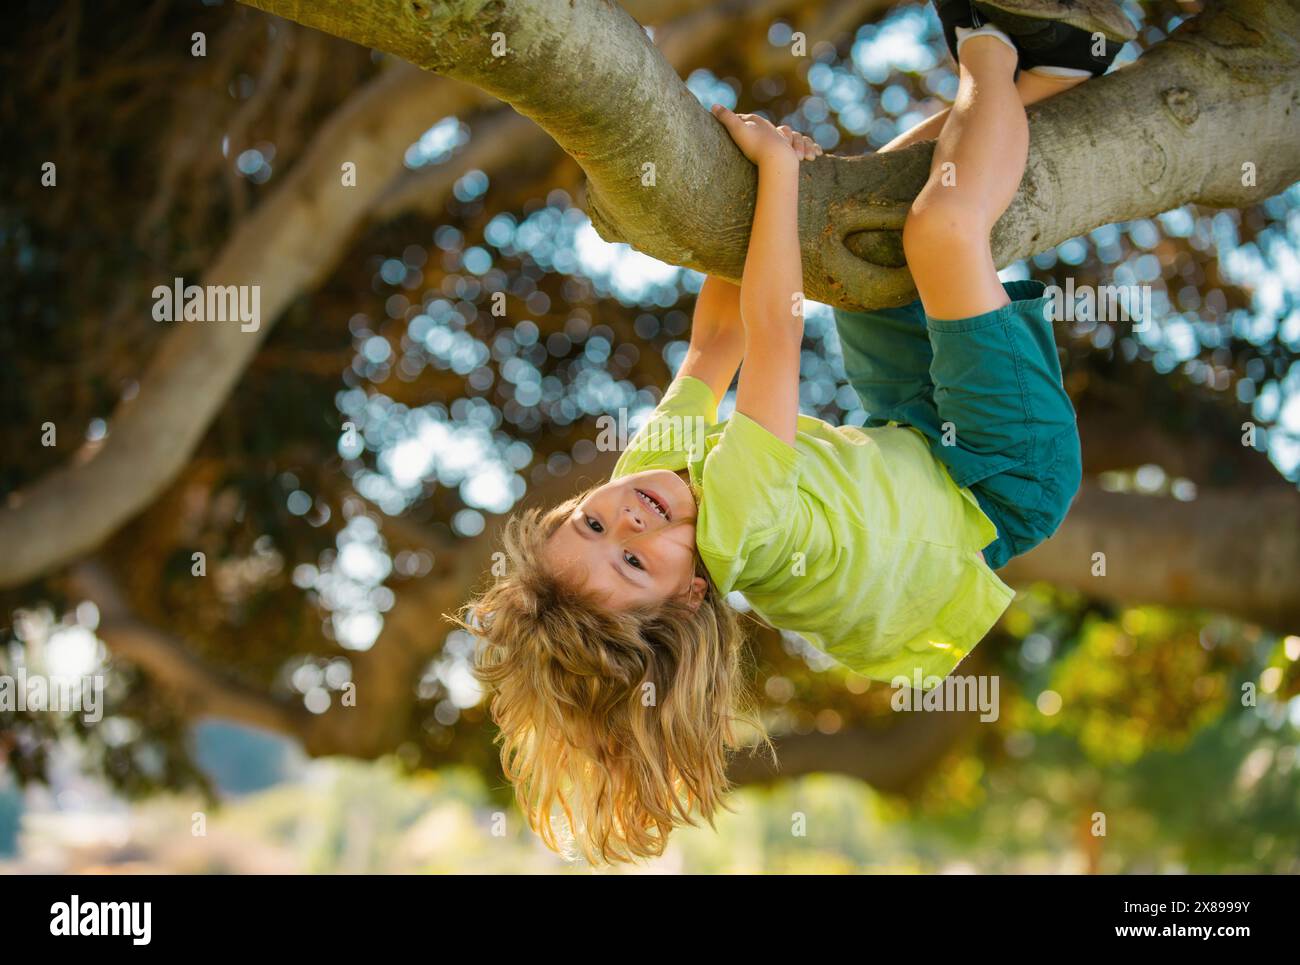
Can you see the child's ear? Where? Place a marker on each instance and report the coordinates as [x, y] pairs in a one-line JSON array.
[[695, 594]]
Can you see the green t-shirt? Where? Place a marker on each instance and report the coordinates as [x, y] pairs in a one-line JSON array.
[[857, 539]]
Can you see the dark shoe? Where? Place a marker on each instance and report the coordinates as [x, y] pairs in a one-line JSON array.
[[1041, 42], [1091, 16]]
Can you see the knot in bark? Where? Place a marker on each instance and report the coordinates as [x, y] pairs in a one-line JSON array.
[[1182, 104]]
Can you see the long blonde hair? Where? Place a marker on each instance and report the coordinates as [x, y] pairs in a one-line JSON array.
[[618, 724]]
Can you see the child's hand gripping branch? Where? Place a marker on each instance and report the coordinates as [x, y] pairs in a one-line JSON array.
[[762, 141], [771, 296]]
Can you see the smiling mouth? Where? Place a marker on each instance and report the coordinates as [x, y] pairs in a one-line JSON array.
[[654, 504]]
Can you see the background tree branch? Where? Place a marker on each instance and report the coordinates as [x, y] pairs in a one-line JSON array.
[[286, 247], [1234, 552]]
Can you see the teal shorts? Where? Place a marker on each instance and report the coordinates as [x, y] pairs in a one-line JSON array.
[[986, 392]]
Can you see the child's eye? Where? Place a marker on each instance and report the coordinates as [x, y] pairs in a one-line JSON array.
[[633, 560], [594, 525]]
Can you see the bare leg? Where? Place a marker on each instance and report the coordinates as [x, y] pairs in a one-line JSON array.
[[1032, 87], [975, 172], [927, 130]]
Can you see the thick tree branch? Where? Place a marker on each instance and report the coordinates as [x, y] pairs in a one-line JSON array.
[[1176, 127], [1236, 552]]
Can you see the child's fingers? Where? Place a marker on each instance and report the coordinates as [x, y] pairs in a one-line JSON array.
[[806, 146], [743, 127], [734, 124], [729, 118]]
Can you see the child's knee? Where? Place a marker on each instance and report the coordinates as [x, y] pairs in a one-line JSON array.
[[939, 227]]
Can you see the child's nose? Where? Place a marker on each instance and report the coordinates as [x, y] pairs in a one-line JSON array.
[[633, 518]]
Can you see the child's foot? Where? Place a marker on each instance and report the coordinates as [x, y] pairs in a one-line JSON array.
[[1079, 38]]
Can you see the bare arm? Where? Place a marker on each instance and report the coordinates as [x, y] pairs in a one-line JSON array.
[[771, 292], [717, 337], [769, 379]]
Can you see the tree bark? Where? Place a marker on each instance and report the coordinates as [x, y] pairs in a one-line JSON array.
[[1174, 128], [1235, 551]]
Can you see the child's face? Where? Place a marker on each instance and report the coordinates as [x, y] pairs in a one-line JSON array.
[[632, 542]]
